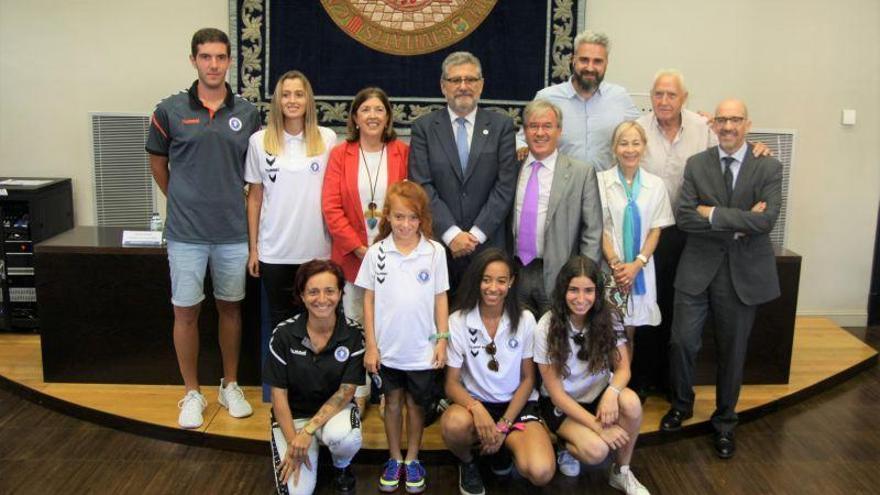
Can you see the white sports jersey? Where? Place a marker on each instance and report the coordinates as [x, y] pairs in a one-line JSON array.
[[580, 384], [292, 229], [405, 288], [467, 350]]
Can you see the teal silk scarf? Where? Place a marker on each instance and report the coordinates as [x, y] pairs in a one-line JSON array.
[[632, 226]]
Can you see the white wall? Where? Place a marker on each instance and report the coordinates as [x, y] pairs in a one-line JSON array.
[[61, 60], [797, 63]]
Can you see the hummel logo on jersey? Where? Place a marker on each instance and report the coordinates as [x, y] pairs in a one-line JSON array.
[[190, 121], [297, 352], [380, 264], [272, 171]]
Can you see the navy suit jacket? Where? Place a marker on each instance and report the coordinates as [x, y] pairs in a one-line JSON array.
[[481, 196]]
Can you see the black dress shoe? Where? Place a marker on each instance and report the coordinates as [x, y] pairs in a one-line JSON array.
[[725, 445], [672, 420], [343, 479]]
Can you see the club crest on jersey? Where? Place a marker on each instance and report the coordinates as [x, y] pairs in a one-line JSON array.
[[235, 123], [341, 353], [315, 167], [513, 343], [424, 276]]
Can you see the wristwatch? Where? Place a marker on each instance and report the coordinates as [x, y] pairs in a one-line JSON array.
[[641, 257], [309, 429]]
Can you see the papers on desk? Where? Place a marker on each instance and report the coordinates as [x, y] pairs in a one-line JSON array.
[[24, 182], [141, 238]]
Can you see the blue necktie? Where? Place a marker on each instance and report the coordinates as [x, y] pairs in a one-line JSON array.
[[461, 143]]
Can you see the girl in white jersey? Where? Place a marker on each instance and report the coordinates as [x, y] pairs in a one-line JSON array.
[[491, 378], [580, 349], [405, 311]]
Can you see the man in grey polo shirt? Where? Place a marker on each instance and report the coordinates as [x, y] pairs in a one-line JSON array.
[[197, 144]]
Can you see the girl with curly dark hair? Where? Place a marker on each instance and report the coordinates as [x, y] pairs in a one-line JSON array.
[[580, 351]]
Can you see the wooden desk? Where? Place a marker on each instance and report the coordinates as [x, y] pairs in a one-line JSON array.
[[106, 318], [106, 314]]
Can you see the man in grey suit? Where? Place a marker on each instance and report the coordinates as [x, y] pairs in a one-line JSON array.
[[556, 213], [728, 206], [465, 158]]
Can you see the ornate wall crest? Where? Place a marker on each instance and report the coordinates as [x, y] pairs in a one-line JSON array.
[[408, 27], [250, 22]]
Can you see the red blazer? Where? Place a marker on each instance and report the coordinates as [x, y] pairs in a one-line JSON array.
[[341, 201]]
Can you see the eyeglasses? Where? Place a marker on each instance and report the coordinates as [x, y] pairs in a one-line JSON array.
[[733, 120], [581, 340], [469, 81], [545, 127], [491, 350]]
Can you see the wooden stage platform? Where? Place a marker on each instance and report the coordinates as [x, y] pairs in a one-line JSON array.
[[824, 354]]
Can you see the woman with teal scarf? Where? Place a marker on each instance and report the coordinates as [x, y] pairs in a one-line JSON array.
[[635, 207]]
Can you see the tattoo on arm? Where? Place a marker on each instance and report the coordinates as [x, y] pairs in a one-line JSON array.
[[333, 405]]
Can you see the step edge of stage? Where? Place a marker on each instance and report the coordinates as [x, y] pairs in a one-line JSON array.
[[37, 393]]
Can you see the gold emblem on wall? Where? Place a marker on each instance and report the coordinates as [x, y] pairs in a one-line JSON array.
[[408, 27]]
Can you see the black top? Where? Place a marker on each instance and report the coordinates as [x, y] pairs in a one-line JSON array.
[[310, 378]]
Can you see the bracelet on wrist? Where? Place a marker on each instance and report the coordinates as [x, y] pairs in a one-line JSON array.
[[612, 387], [439, 336]]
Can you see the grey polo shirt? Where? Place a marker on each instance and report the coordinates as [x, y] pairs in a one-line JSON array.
[[206, 152]]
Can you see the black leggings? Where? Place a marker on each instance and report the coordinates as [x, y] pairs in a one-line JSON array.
[[278, 281]]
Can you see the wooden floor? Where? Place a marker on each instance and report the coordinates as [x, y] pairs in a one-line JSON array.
[[827, 444], [822, 351]]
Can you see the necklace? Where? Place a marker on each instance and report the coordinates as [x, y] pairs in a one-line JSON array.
[[371, 214]]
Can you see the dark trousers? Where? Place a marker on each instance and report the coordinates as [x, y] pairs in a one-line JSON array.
[[530, 287], [733, 324], [457, 267], [650, 365], [278, 281]]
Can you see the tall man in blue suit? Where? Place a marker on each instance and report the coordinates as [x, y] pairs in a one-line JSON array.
[[465, 158], [729, 203]]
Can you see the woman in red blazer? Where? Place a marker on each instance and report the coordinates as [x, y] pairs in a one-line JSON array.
[[359, 172]]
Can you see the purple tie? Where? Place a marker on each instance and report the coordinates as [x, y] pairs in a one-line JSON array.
[[527, 240]]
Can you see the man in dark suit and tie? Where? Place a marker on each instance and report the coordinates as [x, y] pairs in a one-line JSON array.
[[728, 206], [556, 213], [465, 158]]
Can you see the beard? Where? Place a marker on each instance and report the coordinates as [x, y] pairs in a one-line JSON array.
[[463, 104], [587, 84]]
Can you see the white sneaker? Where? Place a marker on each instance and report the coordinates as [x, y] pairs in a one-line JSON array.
[[191, 407], [568, 464], [232, 398], [626, 481]]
